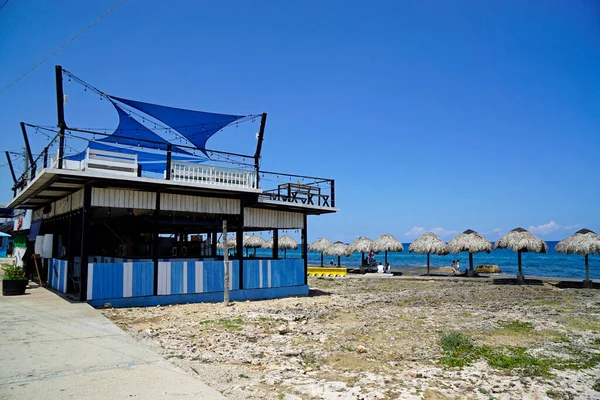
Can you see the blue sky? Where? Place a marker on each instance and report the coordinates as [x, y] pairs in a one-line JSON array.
[[430, 115]]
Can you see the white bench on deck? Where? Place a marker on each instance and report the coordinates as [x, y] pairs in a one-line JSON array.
[[110, 162]]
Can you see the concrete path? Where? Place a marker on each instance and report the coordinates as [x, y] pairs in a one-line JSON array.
[[53, 349]]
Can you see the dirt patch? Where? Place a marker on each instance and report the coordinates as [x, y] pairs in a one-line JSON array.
[[380, 339]]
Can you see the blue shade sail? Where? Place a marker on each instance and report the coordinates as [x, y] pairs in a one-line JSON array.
[[132, 133], [195, 126], [150, 162]]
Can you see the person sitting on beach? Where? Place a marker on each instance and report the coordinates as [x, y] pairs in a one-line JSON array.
[[453, 266], [331, 262], [458, 266], [380, 268], [388, 268]]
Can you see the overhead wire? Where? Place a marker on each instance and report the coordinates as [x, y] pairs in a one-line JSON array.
[[30, 70]]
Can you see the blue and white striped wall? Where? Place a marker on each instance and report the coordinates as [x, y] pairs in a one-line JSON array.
[[128, 279], [260, 274], [180, 277], [57, 274], [192, 281]]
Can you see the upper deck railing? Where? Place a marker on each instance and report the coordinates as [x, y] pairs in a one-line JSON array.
[[298, 189]]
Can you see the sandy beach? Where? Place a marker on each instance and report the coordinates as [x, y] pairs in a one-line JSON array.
[[387, 338]]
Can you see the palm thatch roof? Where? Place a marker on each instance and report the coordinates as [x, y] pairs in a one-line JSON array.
[[268, 244], [337, 249], [429, 243], [287, 243], [521, 240], [231, 243], [253, 241], [320, 245], [361, 245], [387, 242], [471, 242], [582, 242]]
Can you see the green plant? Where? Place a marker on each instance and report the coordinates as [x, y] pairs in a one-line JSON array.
[[13, 273], [596, 386], [516, 360], [516, 326], [458, 349], [486, 393]]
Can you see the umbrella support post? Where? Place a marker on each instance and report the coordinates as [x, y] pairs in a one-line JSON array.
[[520, 276], [471, 273]]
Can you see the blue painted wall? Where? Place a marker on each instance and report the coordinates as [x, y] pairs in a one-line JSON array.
[[212, 297], [57, 274], [136, 279]]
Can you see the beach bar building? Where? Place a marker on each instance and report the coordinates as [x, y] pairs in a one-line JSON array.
[[134, 219]]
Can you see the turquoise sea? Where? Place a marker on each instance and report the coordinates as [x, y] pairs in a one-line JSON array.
[[551, 264]]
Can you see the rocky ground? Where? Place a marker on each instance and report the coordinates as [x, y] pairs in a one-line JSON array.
[[387, 338]]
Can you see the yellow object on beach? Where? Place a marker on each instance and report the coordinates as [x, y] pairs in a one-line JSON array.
[[322, 271]]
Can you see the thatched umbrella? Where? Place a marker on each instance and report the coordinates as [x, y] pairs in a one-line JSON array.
[[472, 242], [287, 242], [231, 243], [387, 242], [361, 245], [253, 242], [520, 240], [337, 249], [428, 243], [583, 242], [320, 245]]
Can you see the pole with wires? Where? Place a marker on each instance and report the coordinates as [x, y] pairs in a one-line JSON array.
[[60, 109]]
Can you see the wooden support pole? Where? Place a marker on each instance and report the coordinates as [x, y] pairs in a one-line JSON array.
[[240, 247], [169, 148], [225, 266], [332, 193], [213, 244], [275, 254], [304, 240], [156, 241], [86, 220]]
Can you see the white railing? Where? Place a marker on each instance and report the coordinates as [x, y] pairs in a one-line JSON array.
[[211, 175]]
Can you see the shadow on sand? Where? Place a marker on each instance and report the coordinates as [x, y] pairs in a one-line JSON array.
[[577, 285], [317, 292], [513, 281]]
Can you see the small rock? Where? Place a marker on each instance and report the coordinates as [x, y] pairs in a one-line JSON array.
[[107, 305], [283, 329], [361, 349]]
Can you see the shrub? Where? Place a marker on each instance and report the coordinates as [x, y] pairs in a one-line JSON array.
[[13, 273]]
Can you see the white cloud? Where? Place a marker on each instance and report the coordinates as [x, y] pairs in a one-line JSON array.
[[417, 231], [441, 232], [550, 227], [495, 231]]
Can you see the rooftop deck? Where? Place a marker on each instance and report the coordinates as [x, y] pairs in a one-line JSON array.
[[314, 195]]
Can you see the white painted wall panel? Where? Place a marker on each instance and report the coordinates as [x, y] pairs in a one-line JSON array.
[[263, 218], [210, 205], [123, 198]]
